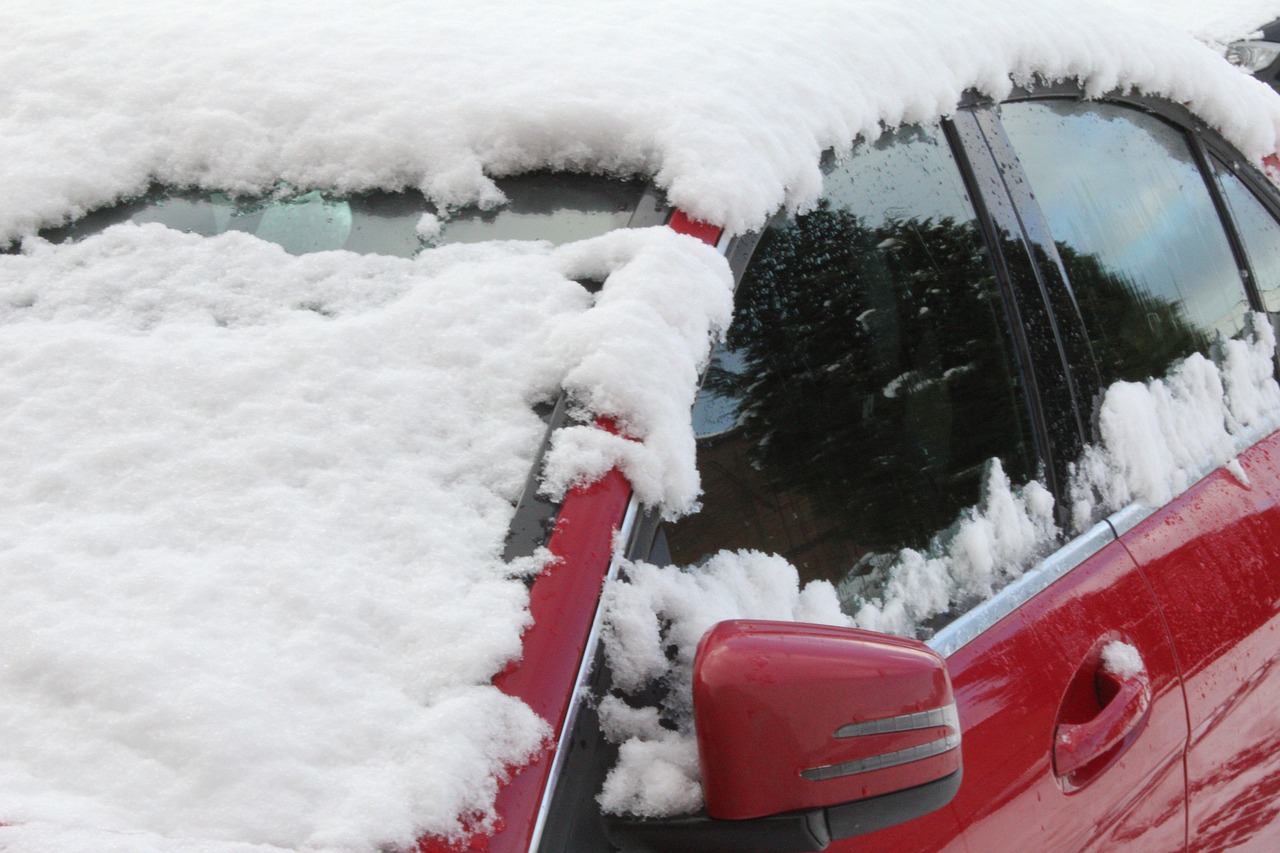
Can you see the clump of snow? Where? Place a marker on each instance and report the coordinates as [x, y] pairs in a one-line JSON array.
[[1235, 469], [429, 226], [654, 618], [1156, 440], [1121, 659], [637, 357], [105, 99], [1159, 437], [990, 545], [254, 514]]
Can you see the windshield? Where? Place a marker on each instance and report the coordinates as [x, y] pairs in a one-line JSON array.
[[558, 207]]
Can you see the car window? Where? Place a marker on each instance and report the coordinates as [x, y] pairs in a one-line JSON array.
[[1136, 228], [1258, 231], [868, 378], [558, 207]]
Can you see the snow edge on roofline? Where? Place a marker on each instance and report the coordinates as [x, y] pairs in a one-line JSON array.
[[729, 114]]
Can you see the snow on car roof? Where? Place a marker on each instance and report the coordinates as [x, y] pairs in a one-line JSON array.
[[254, 593], [727, 105]]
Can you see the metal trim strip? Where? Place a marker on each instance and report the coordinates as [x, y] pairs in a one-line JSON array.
[[959, 633]]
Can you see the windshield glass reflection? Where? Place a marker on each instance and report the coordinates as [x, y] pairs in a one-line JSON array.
[[557, 207], [867, 379]]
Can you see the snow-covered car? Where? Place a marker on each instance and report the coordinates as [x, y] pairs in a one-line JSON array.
[[636, 426]]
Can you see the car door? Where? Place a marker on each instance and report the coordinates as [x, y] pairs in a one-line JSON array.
[[1123, 185]]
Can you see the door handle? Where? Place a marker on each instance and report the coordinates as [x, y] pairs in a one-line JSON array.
[[1075, 745]]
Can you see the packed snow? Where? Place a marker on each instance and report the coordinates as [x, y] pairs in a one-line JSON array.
[[659, 611], [253, 584], [254, 595], [727, 104], [1122, 659], [1216, 24]]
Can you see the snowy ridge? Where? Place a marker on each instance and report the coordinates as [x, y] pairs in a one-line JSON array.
[[726, 104]]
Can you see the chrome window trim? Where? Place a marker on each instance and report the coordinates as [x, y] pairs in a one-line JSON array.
[[584, 674], [959, 633]]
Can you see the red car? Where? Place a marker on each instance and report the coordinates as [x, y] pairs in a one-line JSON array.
[[1086, 243], [988, 548]]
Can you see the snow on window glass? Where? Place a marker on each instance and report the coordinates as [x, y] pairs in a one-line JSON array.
[[1157, 439], [828, 473]]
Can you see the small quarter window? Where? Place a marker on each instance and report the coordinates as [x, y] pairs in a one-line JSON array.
[[558, 207], [1258, 231]]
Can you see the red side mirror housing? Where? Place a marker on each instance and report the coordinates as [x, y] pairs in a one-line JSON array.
[[808, 734], [795, 717]]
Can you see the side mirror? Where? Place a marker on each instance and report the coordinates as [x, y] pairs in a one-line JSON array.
[[810, 733]]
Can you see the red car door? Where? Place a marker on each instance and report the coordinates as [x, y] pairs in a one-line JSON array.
[[1213, 559], [1022, 678], [1124, 186]]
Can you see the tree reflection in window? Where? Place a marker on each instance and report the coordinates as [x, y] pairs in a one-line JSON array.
[[867, 380]]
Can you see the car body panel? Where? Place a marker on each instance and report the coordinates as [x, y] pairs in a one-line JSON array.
[[1213, 558], [1011, 682], [562, 604]]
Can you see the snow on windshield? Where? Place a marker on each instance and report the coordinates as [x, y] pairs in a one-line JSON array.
[[255, 507], [253, 588]]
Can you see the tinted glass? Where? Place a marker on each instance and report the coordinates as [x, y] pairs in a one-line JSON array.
[[1259, 232], [1136, 227], [542, 206], [868, 376]]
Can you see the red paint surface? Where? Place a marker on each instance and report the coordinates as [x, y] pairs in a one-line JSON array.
[[769, 696], [1271, 168], [704, 231], [562, 603], [1015, 684], [1213, 559], [1204, 608]]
